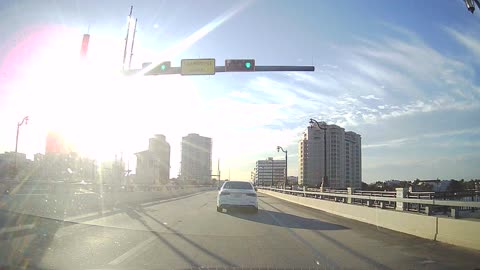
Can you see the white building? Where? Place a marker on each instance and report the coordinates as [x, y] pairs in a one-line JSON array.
[[339, 146], [196, 163], [268, 171], [153, 165]]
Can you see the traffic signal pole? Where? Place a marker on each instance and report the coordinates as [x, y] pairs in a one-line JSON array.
[[219, 69]]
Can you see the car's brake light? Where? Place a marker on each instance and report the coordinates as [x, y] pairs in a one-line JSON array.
[[224, 193], [252, 194]]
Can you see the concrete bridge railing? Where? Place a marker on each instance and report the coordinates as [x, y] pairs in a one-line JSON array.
[[401, 199], [374, 210]]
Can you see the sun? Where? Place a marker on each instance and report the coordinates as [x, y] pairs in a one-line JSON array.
[[98, 110], [107, 114]]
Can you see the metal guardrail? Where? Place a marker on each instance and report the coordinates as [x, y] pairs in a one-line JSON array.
[[396, 200]]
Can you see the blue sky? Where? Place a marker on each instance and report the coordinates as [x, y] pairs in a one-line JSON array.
[[403, 74]]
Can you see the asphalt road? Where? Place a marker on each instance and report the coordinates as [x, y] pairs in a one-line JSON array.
[[187, 232]]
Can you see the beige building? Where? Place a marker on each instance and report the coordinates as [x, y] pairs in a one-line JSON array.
[[153, 165], [196, 166], [343, 152], [268, 171]]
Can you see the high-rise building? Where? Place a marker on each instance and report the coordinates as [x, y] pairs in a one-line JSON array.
[[153, 165], [196, 163], [268, 171], [353, 159], [339, 144]]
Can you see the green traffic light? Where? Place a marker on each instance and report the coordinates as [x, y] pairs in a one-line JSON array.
[[163, 67], [248, 65]]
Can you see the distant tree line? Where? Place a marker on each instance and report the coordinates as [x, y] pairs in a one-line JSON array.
[[417, 184]]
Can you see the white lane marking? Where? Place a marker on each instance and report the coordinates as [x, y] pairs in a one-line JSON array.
[[133, 251], [17, 228]]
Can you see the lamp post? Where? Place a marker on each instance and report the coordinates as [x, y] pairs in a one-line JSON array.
[[286, 164], [19, 124], [272, 171], [325, 178]]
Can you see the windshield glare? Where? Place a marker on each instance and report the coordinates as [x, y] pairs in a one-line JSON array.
[[350, 129]]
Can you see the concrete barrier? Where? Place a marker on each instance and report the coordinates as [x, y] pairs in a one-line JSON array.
[[59, 206], [458, 232]]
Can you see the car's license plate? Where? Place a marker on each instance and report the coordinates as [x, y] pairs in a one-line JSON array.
[[237, 195]]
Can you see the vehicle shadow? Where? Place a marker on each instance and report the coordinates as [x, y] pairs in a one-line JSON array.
[[284, 220]]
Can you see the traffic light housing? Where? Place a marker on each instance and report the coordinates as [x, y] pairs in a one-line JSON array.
[[239, 65], [162, 68]]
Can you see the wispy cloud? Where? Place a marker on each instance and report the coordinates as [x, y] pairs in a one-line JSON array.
[[380, 80], [370, 97], [407, 140], [468, 41]]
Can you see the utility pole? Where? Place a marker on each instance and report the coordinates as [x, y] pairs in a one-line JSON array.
[[325, 179], [272, 171], [126, 38], [133, 43], [218, 174], [19, 124], [286, 164]]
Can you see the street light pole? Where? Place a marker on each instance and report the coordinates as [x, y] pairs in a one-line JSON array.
[[286, 165], [325, 178], [272, 172], [19, 124]]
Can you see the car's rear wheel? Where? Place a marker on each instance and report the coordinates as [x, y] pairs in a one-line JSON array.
[[219, 209]]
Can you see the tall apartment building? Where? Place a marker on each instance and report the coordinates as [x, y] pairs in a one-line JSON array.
[[196, 163], [153, 165], [270, 170], [353, 159], [339, 145]]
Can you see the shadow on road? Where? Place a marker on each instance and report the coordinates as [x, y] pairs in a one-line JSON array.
[[25, 248], [287, 220], [134, 214], [121, 208]]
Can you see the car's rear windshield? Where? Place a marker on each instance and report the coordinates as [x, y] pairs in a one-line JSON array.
[[237, 185]]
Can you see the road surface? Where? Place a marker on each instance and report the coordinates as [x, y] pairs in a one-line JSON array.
[[187, 232]]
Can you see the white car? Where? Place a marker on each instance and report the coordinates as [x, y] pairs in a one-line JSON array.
[[237, 194]]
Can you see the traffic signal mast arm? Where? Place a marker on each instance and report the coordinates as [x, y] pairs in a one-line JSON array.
[[177, 70]]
